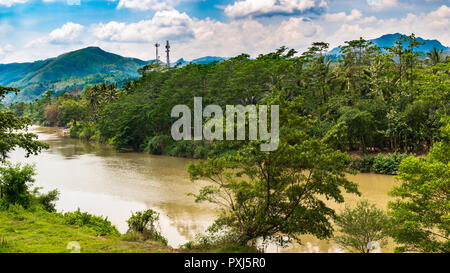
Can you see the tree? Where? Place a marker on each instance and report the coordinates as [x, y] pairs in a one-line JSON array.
[[421, 214], [51, 114], [274, 196], [71, 111], [435, 56], [360, 226], [13, 132]]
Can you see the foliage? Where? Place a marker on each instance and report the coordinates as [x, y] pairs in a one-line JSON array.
[[47, 200], [388, 164], [158, 145], [100, 225], [212, 242], [15, 183], [380, 164], [363, 164], [13, 131], [274, 196], [145, 223], [360, 226], [420, 214]]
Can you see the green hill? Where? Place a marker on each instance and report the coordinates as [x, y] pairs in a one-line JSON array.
[[66, 72]]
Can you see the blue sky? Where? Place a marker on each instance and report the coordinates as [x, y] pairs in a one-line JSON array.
[[38, 29]]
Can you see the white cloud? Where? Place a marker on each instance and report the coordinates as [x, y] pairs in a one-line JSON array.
[[144, 5], [258, 8], [343, 17], [6, 49], [68, 33], [9, 3], [164, 25], [5, 28], [384, 4]]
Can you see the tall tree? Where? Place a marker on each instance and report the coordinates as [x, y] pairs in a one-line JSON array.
[[13, 131], [435, 56], [421, 214]]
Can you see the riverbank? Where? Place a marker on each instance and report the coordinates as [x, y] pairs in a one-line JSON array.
[[386, 163], [39, 231]]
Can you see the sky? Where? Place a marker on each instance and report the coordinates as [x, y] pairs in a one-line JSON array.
[[33, 30]]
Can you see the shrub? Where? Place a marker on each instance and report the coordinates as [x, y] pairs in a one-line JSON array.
[[183, 148], [363, 164], [381, 164], [360, 226], [100, 225], [15, 181], [47, 200], [158, 144], [86, 131], [144, 222], [388, 164], [202, 152], [222, 243]]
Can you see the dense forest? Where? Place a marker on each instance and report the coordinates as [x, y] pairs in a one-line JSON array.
[[375, 99], [385, 101]]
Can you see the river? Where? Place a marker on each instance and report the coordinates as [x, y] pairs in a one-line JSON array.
[[99, 180]]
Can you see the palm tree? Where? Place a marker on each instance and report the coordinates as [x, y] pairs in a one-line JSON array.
[[435, 56]]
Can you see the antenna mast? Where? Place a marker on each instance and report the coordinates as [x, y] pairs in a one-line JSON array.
[[168, 53], [157, 53]]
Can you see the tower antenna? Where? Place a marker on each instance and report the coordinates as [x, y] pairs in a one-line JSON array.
[[157, 45], [168, 53]]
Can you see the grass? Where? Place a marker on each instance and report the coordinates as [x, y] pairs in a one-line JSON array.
[[38, 231]]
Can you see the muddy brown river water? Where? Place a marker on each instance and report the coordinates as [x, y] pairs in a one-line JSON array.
[[102, 181]]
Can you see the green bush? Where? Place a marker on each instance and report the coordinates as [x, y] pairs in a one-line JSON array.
[[100, 225], [203, 151], [15, 182], [183, 148], [388, 164], [380, 164], [224, 243], [159, 144], [47, 200], [145, 223], [363, 164], [86, 131]]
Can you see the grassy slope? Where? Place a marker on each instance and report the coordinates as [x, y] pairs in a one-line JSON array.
[[42, 232]]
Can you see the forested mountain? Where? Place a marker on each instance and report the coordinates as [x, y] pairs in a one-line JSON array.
[[390, 39], [69, 71]]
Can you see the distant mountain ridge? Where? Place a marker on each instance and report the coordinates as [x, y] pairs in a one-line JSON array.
[[389, 40], [203, 60]]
